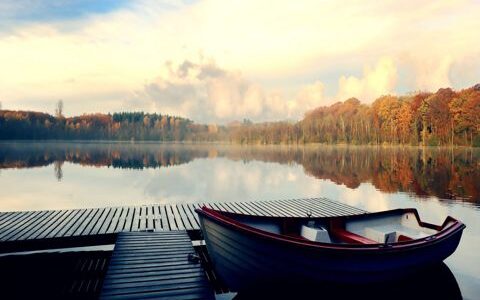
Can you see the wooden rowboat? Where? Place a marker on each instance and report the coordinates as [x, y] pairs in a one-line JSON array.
[[250, 251]]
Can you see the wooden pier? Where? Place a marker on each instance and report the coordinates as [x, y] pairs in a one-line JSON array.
[[152, 244], [32, 230], [155, 265]]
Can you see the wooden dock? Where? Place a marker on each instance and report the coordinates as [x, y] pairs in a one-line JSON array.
[[31, 230], [152, 243], [155, 265]]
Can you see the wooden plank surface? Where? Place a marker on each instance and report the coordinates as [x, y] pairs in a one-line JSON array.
[[155, 265], [39, 225]]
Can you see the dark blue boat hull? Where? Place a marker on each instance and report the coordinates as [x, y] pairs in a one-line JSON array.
[[244, 260]]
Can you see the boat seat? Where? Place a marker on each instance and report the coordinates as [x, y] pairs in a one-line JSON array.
[[389, 235], [337, 231], [380, 236], [350, 237], [315, 233]]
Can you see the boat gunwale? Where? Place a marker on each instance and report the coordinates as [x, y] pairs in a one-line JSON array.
[[442, 234]]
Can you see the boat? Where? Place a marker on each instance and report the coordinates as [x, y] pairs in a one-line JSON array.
[[249, 251]]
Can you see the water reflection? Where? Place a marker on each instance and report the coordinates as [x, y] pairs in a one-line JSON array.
[[39, 176], [58, 169], [437, 282], [441, 172]]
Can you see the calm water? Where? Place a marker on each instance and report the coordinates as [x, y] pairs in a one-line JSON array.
[[439, 182]]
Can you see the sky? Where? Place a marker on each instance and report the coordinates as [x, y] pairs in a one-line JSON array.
[[219, 61]]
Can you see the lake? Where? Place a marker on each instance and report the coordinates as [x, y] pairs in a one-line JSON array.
[[436, 181]]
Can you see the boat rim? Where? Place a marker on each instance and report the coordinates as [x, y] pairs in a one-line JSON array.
[[442, 234]]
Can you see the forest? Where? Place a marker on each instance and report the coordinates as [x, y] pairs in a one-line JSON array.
[[446, 117]]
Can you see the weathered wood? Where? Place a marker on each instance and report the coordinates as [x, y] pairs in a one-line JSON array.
[[163, 216], [189, 214], [89, 224], [42, 232], [62, 224], [178, 219], [114, 221], [155, 265]]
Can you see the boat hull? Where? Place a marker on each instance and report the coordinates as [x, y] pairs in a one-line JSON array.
[[245, 260]]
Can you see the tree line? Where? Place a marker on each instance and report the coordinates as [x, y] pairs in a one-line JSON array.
[[446, 117]]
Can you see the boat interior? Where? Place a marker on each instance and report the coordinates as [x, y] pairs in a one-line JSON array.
[[383, 228]]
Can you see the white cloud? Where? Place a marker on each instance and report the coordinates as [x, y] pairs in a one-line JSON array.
[[205, 92], [374, 83], [87, 60], [309, 97], [433, 73]]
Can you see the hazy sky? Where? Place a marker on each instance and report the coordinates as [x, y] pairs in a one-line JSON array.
[[218, 60]]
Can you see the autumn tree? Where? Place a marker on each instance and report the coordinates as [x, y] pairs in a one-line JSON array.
[[440, 118], [387, 109], [405, 124]]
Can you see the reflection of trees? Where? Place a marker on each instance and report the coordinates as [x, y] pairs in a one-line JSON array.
[[58, 169], [445, 173], [125, 156]]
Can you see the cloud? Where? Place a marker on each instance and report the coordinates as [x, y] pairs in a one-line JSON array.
[[267, 53], [433, 73], [309, 97], [375, 82], [206, 92]]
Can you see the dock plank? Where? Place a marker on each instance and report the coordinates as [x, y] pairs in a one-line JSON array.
[[163, 218], [136, 218], [86, 230], [246, 209], [183, 216], [143, 219], [71, 223], [150, 218], [39, 226], [80, 224], [95, 222], [53, 224], [63, 223], [236, 208], [132, 278], [178, 219], [314, 209], [129, 219], [259, 209], [115, 219], [12, 217], [190, 216], [299, 210], [171, 218], [21, 225], [94, 214], [108, 219], [157, 219]]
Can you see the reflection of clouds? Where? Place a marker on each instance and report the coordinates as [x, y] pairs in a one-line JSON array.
[[251, 183], [365, 197], [222, 179], [226, 180], [291, 176]]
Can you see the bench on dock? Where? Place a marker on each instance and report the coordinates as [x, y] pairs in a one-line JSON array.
[[155, 265]]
